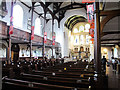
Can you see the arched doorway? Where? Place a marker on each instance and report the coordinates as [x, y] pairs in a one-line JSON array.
[[15, 52], [81, 49], [3, 51]]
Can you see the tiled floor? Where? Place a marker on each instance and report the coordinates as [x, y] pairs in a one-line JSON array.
[[113, 79]]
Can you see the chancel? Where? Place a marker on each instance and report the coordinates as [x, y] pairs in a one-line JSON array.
[[59, 45]]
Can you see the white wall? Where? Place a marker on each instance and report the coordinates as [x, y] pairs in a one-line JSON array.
[[66, 43]]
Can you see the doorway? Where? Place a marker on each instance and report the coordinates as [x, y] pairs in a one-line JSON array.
[[15, 52]]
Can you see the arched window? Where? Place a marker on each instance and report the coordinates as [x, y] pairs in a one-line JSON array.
[[87, 39], [37, 26], [17, 16], [76, 40], [82, 39]]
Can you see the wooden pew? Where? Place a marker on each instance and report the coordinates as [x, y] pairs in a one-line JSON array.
[[8, 72], [64, 74], [14, 84], [57, 80], [24, 66], [62, 78]]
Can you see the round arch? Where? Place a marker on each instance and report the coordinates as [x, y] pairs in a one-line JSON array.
[[69, 13], [3, 49]]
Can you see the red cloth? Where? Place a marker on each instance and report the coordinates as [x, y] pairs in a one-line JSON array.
[[32, 30], [45, 37], [53, 40], [11, 30]]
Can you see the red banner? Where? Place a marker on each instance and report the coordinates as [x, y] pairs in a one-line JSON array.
[[53, 40], [91, 32], [11, 26], [11, 30], [32, 31], [88, 1], [92, 25], [45, 37], [92, 39], [90, 10]]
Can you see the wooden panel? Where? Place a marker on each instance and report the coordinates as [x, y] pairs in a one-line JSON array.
[[49, 42], [20, 34], [38, 39], [3, 28], [23, 35]]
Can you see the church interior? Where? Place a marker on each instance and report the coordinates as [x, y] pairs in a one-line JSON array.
[[57, 44]]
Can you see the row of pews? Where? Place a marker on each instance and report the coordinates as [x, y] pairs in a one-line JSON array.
[[13, 69], [49, 75]]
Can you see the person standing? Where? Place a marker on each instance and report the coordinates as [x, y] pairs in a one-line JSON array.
[[104, 62], [113, 63]]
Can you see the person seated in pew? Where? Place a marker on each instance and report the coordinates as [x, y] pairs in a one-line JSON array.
[[92, 61]]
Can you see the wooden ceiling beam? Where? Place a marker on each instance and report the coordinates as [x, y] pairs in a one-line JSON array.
[[47, 9], [110, 42], [113, 39], [69, 7], [33, 10], [107, 45], [109, 15], [110, 12], [106, 33]]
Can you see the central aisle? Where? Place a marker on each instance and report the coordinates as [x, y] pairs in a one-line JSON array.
[[113, 78]]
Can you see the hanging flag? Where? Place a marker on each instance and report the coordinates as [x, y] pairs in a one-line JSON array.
[[90, 10], [88, 1], [45, 37], [32, 32], [92, 25], [11, 26], [92, 39], [53, 40], [91, 32]]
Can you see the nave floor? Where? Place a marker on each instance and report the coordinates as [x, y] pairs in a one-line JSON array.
[[113, 79]]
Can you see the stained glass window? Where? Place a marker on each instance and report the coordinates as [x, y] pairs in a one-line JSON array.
[[81, 39], [76, 40], [87, 39]]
